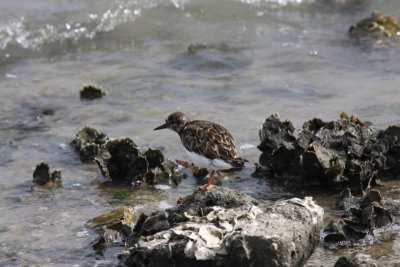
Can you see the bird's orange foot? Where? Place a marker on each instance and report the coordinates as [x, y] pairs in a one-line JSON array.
[[189, 166], [206, 188]]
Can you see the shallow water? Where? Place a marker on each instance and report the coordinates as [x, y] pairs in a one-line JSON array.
[[288, 56]]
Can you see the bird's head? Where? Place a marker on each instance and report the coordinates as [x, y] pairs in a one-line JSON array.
[[176, 121]]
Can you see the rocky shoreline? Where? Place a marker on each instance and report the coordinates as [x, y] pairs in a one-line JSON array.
[[224, 227]]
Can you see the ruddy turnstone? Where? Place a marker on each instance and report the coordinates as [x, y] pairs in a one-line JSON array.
[[208, 144]]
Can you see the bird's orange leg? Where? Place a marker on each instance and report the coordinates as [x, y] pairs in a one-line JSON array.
[[208, 185], [189, 166]]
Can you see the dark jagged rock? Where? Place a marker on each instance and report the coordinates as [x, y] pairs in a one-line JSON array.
[[279, 146], [343, 153], [222, 227], [155, 158], [89, 143], [121, 159], [113, 228], [90, 92], [126, 162], [42, 175], [360, 219]]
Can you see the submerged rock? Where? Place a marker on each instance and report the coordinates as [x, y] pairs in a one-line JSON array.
[[360, 219], [343, 153], [222, 47], [89, 143], [357, 260], [345, 200], [113, 228], [223, 227], [217, 58], [90, 92], [42, 175]]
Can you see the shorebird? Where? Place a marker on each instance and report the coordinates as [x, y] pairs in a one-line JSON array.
[[209, 145]]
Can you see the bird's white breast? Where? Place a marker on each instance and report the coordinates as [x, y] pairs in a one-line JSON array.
[[203, 162]]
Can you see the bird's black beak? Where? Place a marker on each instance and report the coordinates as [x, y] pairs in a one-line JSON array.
[[165, 125]]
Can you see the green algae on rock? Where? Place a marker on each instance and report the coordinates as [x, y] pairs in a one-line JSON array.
[[114, 219], [43, 177], [91, 92]]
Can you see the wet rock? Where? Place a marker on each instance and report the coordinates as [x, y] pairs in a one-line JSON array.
[[356, 260], [377, 26], [155, 158], [344, 153], [42, 175], [121, 159], [90, 92], [114, 219], [113, 228], [151, 224], [371, 196], [126, 162], [345, 200], [360, 220], [199, 204], [225, 228], [89, 143]]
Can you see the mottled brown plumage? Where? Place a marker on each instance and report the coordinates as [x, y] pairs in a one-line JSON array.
[[208, 144], [210, 140], [205, 138]]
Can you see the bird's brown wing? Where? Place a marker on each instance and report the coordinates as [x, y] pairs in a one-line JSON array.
[[210, 140]]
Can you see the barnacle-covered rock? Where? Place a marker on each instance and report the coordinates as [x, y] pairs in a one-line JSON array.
[[89, 143], [360, 219], [343, 153], [126, 162], [223, 227], [279, 146]]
